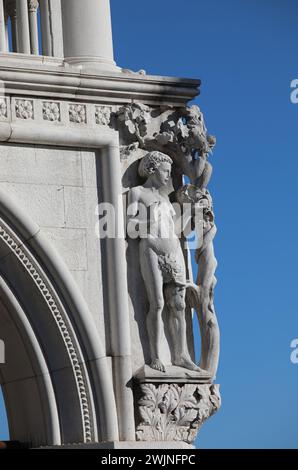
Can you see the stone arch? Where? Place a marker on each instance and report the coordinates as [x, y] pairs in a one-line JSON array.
[[56, 382]]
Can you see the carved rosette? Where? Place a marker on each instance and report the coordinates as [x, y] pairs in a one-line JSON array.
[[103, 115], [51, 111], [172, 412], [77, 113], [3, 108], [24, 109]]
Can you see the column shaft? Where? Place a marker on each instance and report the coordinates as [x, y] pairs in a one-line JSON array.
[[14, 32], [2, 28], [23, 27], [6, 32], [87, 33], [47, 48], [33, 6]]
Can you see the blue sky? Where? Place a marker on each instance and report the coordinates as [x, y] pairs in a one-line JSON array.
[[245, 53]]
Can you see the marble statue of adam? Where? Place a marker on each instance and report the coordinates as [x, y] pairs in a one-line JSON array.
[[161, 259]]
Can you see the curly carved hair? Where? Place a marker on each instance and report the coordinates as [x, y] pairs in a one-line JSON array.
[[151, 162]]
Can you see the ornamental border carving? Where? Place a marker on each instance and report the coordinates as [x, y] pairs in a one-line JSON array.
[[59, 316], [54, 112]]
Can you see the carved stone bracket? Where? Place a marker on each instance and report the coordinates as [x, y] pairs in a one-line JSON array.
[[174, 412]]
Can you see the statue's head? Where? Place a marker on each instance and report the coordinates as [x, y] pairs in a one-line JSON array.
[[156, 165]]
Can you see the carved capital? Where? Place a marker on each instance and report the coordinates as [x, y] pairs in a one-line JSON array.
[[175, 412], [33, 5]]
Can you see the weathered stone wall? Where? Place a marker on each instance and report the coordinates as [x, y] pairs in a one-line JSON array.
[[59, 190]]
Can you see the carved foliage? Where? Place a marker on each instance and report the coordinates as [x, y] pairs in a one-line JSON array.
[[103, 115], [51, 111], [77, 113], [171, 412], [178, 132], [3, 108], [135, 118], [24, 109]]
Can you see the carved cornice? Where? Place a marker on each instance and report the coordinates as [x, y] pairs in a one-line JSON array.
[[50, 77]]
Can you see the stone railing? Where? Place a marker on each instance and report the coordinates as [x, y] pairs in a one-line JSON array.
[[77, 31], [31, 27]]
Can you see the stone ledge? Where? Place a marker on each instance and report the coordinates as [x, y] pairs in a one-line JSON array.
[[173, 374], [52, 78]]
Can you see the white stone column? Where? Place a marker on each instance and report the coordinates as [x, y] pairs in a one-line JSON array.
[[51, 27], [56, 27], [46, 28], [6, 30], [2, 28], [87, 33], [23, 27], [33, 7]]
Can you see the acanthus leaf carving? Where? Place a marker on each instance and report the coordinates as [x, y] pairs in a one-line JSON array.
[[172, 412]]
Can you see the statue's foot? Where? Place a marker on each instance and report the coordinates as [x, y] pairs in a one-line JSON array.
[[157, 365], [187, 363]]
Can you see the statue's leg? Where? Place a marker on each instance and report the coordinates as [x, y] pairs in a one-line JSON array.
[[206, 314], [176, 304], [154, 287]]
